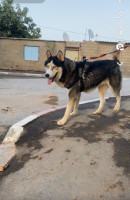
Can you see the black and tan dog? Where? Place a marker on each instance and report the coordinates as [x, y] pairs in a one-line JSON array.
[[82, 77]]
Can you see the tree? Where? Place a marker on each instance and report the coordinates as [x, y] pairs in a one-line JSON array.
[[14, 22]]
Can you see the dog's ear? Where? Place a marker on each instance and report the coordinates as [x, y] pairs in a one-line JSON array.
[[60, 55], [48, 54]]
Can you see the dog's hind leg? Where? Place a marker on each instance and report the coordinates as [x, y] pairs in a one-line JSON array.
[[102, 91], [117, 106], [115, 86], [76, 104], [118, 99]]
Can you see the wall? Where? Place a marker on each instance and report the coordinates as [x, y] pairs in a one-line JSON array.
[[90, 49], [12, 52]]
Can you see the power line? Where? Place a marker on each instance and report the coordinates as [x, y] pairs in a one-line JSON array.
[[62, 30], [73, 32]]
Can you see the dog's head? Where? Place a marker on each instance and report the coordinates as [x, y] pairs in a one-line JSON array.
[[53, 66]]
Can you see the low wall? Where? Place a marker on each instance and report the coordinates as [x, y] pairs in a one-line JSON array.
[[12, 53]]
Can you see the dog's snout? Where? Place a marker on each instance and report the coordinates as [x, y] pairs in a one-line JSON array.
[[47, 75]]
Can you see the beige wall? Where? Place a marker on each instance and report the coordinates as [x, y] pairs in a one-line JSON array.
[[12, 52], [90, 49]]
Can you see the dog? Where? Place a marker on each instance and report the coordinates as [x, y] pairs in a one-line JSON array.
[[83, 76]]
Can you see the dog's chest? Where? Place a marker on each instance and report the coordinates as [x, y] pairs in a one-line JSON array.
[[60, 84]]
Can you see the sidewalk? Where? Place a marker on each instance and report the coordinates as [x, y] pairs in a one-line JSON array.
[[36, 74], [88, 158], [22, 73]]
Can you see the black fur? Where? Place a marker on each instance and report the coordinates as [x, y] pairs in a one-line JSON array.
[[88, 75], [84, 76]]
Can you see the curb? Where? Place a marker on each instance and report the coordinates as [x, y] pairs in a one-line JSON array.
[[7, 152], [22, 74], [8, 149], [16, 130]]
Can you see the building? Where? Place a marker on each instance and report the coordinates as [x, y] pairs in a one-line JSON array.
[[30, 54]]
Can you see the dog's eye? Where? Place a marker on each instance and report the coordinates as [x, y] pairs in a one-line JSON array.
[[54, 67]]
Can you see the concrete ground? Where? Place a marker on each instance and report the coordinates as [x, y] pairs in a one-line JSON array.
[[86, 159], [24, 96]]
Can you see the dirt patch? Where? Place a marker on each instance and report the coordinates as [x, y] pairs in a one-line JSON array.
[[122, 153], [93, 130], [53, 100], [86, 134], [7, 109], [3, 132], [49, 151]]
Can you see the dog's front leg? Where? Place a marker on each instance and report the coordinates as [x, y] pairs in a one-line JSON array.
[[72, 98], [76, 104], [67, 112]]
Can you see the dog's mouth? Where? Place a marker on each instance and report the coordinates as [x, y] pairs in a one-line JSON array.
[[50, 80]]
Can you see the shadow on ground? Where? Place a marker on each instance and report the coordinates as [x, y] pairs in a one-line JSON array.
[[112, 127]]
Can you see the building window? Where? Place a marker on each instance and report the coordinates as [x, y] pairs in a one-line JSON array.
[[31, 53]]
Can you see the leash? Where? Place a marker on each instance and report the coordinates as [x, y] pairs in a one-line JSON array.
[[91, 58], [102, 55]]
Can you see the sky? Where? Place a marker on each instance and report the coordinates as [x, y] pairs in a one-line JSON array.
[[108, 19]]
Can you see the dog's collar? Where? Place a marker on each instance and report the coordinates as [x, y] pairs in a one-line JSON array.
[[64, 72], [73, 83], [62, 79]]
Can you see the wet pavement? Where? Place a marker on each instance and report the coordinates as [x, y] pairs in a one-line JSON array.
[[86, 159], [24, 96]]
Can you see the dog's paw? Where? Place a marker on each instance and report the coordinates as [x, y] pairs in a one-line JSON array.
[[73, 114], [61, 122], [96, 112], [116, 109]]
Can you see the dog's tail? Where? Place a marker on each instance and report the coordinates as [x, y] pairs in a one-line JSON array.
[[116, 55]]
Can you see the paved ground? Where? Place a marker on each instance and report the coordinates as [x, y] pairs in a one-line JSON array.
[[24, 96], [87, 159]]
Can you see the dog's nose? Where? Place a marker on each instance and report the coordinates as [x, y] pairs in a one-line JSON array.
[[47, 75]]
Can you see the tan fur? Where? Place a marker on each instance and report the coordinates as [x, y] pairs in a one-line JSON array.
[[102, 91], [102, 88], [60, 56], [116, 55], [48, 54], [72, 103], [51, 65], [59, 71]]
